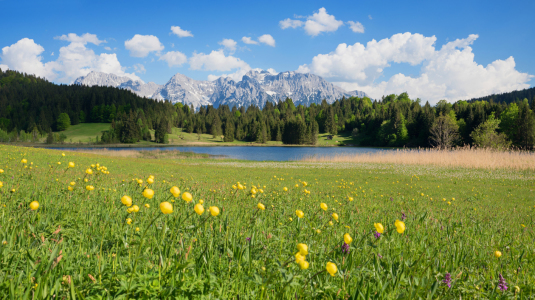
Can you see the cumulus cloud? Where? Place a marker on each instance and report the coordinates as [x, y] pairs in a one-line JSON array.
[[249, 41], [267, 39], [107, 48], [315, 24], [229, 44], [84, 39], [272, 71], [180, 32], [174, 58], [356, 26], [216, 61], [4, 67], [289, 23], [449, 73], [74, 60], [142, 45]]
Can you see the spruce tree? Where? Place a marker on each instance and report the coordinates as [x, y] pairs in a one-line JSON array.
[[229, 131]]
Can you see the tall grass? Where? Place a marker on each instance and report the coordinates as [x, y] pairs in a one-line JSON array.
[[464, 157]]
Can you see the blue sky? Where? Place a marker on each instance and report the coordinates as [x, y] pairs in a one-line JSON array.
[[411, 54]]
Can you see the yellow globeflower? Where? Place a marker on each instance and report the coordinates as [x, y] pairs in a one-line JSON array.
[[24, 161], [129, 210], [379, 227], [71, 164], [187, 197], [347, 238], [137, 229], [126, 200], [1, 184], [175, 191], [261, 206], [253, 191], [303, 265], [299, 258], [70, 188], [198, 208], [1, 171], [350, 198], [34, 205], [135, 208], [299, 213], [324, 206], [285, 189], [331, 268], [201, 201], [497, 254], [166, 207], [147, 205], [150, 180], [128, 221], [303, 249], [335, 216], [89, 187], [148, 193], [214, 210], [72, 183], [89, 171], [234, 186], [240, 186], [400, 226], [63, 154]]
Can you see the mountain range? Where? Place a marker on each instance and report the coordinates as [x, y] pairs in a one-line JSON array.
[[256, 88]]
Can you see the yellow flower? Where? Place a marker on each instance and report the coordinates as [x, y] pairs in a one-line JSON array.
[[128, 221], [72, 183], [331, 268], [285, 189], [175, 191], [379, 227], [1, 184], [89, 187], [198, 208], [137, 229], [63, 154], [70, 188], [324, 206], [299, 258], [126, 200], [253, 191], [303, 265], [139, 181], [148, 193], [523, 225], [214, 210], [331, 223], [400, 226], [335, 216], [497, 254], [201, 201], [34, 205], [350, 198], [240, 186], [150, 180], [166, 207], [318, 231], [234, 186], [187, 197], [261, 206], [24, 161], [147, 205], [135, 208], [1, 171], [303, 249], [299, 213], [86, 180], [89, 171], [296, 185], [129, 210], [347, 238], [71, 164]]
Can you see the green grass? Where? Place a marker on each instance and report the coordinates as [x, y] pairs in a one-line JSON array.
[[85, 132], [78, 243]]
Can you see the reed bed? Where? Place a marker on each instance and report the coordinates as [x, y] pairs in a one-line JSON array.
[[471, 158]]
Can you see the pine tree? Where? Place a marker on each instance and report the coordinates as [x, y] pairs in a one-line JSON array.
[[229, 131], [525, 124]]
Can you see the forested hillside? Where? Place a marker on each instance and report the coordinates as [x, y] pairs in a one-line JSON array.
[[510, 97], [32, 105]]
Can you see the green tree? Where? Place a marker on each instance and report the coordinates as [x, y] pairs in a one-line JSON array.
[[485, 135], [229, 131], [525, 124], [63, 122], [508, 121], [444, 132]]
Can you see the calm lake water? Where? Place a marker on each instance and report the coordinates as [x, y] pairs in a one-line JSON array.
[[261, 153]]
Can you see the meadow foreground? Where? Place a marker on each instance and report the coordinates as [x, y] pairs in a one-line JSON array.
[[203, 228]]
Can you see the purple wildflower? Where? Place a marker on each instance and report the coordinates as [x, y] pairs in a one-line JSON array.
[[447, 280], [391, 199], [345, 248], [502, 285], [403, 216], [248, 239], [377, 235], [379, 255]]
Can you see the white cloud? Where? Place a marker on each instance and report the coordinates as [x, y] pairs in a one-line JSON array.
[[25, 56], [370, 17], [74, 60], [356, 26], [107, 48], [139, 68], [142, 45], [319, 22], [236, 76], [52, 54], [272, 71], [216, 61], [180, 32], [249, 41], [229, 44], [449, 73], [267, 39], [174, 58], [84, 39], [4, 67], [290, 23]]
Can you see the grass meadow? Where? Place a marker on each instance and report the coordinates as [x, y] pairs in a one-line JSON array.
[[266, 230]]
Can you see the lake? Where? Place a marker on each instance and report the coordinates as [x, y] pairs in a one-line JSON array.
[[260, 153]]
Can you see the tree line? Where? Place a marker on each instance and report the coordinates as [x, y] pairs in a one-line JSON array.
[[33, 105]]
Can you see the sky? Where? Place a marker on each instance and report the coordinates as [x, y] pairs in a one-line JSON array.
[[433, 50]]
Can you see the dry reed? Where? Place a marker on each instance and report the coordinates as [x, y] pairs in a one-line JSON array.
[[464, 158]]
